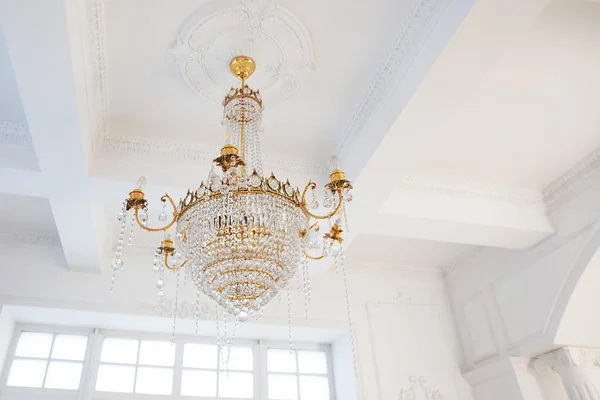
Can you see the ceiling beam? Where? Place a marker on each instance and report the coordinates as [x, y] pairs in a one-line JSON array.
[[44, 44]]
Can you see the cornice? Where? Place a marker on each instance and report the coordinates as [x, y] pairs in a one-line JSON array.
[[463, 188], [459, 259], [394, 66], [568, 357], [14, 134], [572, 178]]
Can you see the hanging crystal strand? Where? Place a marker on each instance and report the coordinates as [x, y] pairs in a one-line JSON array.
[[160, 283], [118, 262], [342, 265], [314, 204], [175, 308], [299, 278], [289, 307], [230, 344], [197, 314], [279, 295], [224, 341], [345, 217], [217, 319], [130, 240], [304, 269]]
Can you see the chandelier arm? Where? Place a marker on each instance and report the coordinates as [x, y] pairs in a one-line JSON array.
[[312, 185], [173, 268], [164, 228], [313, 258]]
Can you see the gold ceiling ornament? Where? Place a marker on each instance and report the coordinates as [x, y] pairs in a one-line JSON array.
[[241, 236]]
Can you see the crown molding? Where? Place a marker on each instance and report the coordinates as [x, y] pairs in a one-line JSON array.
[[14, 134], [507, 194], [460, 259], [579, 173], [394, 66], [41, 239]]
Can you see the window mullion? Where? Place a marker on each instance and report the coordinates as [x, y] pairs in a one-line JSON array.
[[137, 364], [48, 361], [178, 368], [91, 362]]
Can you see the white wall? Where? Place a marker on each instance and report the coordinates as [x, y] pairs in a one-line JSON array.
[[7, 327], [510, 303], [402, 317]]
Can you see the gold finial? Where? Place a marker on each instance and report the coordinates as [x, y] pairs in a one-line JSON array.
[[242, 67]]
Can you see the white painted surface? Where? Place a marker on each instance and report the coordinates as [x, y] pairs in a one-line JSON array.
[[7, 327]]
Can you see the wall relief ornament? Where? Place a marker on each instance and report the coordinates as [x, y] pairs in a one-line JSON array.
[[418, 388], [185, 310], [567, 357], [261, 29]]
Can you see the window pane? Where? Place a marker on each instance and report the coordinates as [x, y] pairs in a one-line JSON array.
[[119, 351], [281, 360], [198, 383], [157, 353], [236, 384], [314, 388], [312, 362], [28, 373], [283, 387], [115, 378], [63, 375], [240, 359], [69, 347], [200, 355], [154, 380], [33, 344]]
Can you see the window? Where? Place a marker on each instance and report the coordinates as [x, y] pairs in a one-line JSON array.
[[124, 365], [297, 375], [136, 366], [48, 360], [205, 374]]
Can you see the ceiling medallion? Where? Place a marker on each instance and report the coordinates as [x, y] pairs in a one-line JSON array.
[[241, 236], [221, 30]]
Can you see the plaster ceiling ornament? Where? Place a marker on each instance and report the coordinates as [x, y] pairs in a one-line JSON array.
[[14, 134], [412, 392], [261, 29], [241, 236]]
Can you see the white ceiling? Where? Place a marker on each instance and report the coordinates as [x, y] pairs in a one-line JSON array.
[[531, 113], [457, 125]]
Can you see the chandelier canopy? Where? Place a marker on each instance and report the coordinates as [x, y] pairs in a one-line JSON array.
[[241, 235]]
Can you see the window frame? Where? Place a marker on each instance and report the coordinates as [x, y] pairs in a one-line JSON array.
[[42, 391], [91, 364]]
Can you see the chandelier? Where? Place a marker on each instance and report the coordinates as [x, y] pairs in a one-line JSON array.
[[241, 236]]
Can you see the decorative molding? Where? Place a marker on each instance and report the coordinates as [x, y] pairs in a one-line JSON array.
[[571, 179], [567, 357], [170, 151], [96, 22], [14, 134], [508, 194], [394, 67], [29, 238], [460, 259], [221, 30], [411, 392], [185, 310]]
